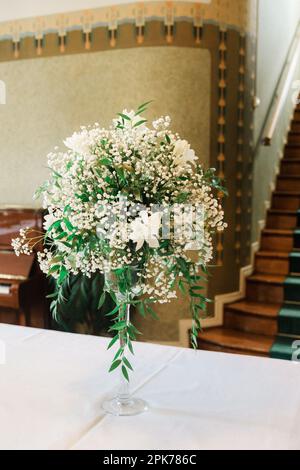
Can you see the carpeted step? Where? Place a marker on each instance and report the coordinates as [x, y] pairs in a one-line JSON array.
[[294, 265], [297, 238], [292, 289], [282, 348], [289, 319]]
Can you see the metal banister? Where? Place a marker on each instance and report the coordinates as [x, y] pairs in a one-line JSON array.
[[282, 90]]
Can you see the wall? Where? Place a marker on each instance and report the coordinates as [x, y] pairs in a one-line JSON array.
[[276, 29], [57, 95]]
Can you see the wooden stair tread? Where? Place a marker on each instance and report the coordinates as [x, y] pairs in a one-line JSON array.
[[286, 193], [237, 340], [255, 308], [282, 212], [272, 254], [278, 232], [266, 278], [288, 177], [291, 160]]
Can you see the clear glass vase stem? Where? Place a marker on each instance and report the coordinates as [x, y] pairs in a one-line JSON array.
[[124, 391]]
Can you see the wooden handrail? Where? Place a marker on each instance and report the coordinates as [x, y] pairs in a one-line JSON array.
[[282, 90]]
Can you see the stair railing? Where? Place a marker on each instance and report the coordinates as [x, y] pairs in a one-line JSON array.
[[282, 91]]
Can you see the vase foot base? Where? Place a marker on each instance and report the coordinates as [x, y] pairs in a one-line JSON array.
[[133, 406]]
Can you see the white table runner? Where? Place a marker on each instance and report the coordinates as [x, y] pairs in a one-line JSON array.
[[52, 385]]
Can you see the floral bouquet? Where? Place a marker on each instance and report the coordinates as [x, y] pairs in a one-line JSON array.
[[132, 202]]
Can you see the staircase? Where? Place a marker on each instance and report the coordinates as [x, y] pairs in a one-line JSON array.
[[267, 320]]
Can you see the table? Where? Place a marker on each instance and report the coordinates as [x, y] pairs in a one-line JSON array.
[[52, 385]]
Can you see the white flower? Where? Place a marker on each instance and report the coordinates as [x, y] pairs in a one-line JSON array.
[[83, 141], [145, 228], [49, 219], [183, 153]]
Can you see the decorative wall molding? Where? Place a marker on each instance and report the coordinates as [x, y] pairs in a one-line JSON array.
[[240, 14]]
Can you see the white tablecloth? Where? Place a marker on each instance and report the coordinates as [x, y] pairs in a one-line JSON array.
[[52, 385]]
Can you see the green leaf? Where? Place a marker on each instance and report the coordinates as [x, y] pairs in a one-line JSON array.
[[61, 235], [115, 310], [127, 363], [62, 275], [139, 123], [152, 312], [102, 299], [113, 341], [51, 296], [125, 373], [141, 309], [118, 353], [54, 268], [68, 224], [105, 161], [118, 326], [181, 287], [54, 172], [55, 224], [142, 107], [114, 365], [124, 116], [130, 346]]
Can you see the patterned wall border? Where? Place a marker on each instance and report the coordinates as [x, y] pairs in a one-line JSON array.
[[234, 13]]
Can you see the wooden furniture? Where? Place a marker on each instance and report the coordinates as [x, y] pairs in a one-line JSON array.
[[22, 285]]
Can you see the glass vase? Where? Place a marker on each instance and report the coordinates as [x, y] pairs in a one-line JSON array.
[[124, 290]]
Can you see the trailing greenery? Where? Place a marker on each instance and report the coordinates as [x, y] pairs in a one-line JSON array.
[[76, 306]]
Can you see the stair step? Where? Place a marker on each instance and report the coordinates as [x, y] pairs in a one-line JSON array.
[[255, 308], [296, 116], [294, 263], [272, 262], [294, 136], [289, 200], [252, 317], [288, 183], [292, 289], [290, 166], [289, 319], [282, 348], [265, 288], [297, 239], [281, 219], [237, 342], [276, 239], [295, 126], [292, 150]]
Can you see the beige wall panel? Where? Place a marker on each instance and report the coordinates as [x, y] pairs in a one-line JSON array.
[[49, 98]]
